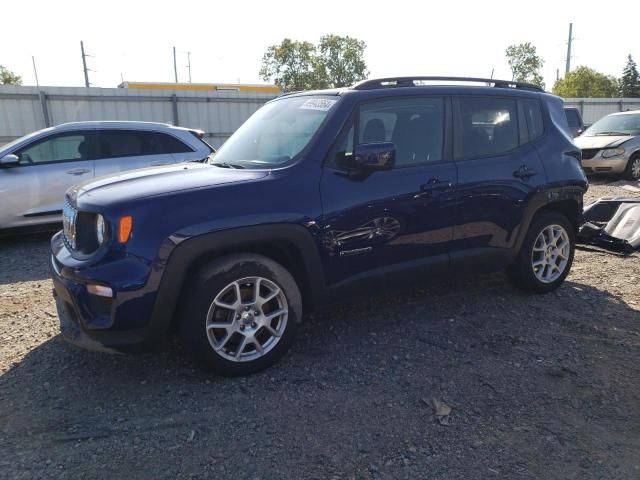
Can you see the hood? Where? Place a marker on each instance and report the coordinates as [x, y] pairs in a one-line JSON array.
[[148, 182], [601, 141]]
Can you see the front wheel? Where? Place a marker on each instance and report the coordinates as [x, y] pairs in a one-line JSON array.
[[632, 171], [546, 255], [241, 314]]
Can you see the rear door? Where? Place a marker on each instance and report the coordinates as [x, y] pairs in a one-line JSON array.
[[498, 172], [33, 191], [390, 221], [120, 150]]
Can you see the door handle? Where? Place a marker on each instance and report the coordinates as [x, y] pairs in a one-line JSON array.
[[157, 164], [78, 171], [432, 186], [435, 183], [524, 172]]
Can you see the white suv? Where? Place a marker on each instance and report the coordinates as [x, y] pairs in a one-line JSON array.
[[37, 169]]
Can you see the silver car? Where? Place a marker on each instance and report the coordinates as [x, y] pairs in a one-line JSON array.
[[37, 169], [612, 145]]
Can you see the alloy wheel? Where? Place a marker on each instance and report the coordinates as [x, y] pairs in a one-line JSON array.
[[550, 255], [247, 319]]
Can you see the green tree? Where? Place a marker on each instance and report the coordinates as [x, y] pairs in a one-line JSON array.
[[336, 62], [586, 82], [525, 63], [339, 61], [630, 80], [291, 65], [7, 77]]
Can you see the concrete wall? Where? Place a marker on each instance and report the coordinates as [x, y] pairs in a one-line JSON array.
[[218, 113]]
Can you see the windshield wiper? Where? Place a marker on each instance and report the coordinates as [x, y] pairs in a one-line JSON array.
[[623, 134], [226, 165]]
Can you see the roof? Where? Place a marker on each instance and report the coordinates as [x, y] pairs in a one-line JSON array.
[[116, 124], [628, 112]]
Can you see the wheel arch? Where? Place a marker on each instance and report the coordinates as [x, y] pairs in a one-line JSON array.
[[290, 245]]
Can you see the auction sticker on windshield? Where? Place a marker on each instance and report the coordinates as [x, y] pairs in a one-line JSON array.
[[322, 104]]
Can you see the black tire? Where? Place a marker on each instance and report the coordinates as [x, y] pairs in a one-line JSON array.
[[628, 172], [521, 271], [210, 281]]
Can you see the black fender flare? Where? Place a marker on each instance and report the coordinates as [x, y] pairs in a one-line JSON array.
[[184, 255], [547, 199]]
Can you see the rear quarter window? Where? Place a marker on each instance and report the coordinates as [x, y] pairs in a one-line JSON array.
[[533, 116]]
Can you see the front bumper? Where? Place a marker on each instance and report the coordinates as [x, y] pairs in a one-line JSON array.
[[121, 323], [604, 165]]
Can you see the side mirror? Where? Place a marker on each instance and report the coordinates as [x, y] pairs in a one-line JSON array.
[[371, 157], [9, 160]]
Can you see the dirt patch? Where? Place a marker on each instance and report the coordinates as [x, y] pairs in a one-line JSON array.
[[537, 386]]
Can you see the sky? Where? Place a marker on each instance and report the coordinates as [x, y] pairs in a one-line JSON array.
[[134, 40]]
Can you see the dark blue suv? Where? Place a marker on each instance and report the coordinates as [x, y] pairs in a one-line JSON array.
[[319, 194]]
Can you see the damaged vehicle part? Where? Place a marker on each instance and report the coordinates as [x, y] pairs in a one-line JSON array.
[[612, 223]]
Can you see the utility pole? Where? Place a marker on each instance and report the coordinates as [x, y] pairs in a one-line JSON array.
[[568, 67], [557, 74], [175, 65], [189, 64], [84, 64], [35, 70]]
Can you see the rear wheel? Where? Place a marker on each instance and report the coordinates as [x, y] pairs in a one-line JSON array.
[[546, 255], [632, 171], [241, 314]]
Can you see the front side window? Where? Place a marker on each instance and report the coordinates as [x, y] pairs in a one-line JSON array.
[[489, 126], [60, 148], [276, 133], [413, 125]]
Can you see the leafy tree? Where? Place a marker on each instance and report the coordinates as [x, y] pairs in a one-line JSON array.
[[7, 77], [340, 62], [525, 63], [586, 82], [336, 62], [291, 65], [630, 80]]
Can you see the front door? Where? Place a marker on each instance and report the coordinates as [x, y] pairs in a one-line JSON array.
[[33, 191], [387, 221]]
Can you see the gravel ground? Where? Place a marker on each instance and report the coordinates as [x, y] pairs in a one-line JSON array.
[[538, 386]]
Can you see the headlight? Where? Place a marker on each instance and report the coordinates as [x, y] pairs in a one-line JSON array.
[[612, 152], [100, 229]]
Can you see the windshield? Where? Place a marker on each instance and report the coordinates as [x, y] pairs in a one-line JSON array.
[[628, 124], [276, 133]]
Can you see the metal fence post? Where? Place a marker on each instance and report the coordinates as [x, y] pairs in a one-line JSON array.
[[174, 101], [45, 108], [621, 103]]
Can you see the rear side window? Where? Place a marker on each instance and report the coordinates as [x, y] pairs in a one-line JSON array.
[[126, 143], [533, 116], [170, 144], [572, 118], [489, 126]]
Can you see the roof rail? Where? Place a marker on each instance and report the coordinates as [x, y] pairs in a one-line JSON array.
[[410, 82]]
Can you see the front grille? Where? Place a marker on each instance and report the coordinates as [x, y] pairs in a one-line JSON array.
[[69, 217], [589, 153]]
